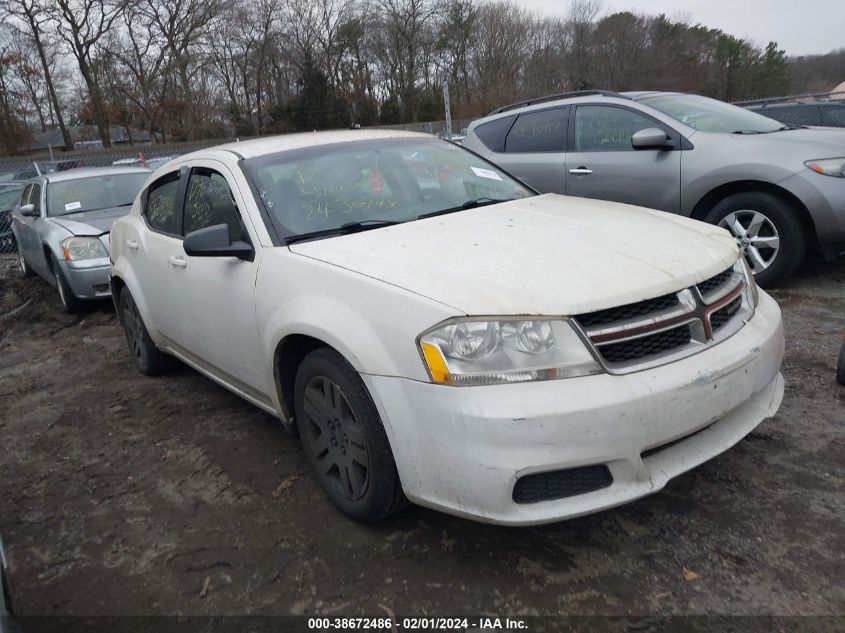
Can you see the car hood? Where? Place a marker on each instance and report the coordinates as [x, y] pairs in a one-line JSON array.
[[549, 254], [810, 143], [91, 222]]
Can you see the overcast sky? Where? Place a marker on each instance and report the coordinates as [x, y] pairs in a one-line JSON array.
[[800, 27]]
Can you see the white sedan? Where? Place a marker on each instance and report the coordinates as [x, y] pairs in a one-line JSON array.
[[435, 331]]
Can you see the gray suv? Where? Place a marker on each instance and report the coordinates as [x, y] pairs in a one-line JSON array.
[[779, 189]]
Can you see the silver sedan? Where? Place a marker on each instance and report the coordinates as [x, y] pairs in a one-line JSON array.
[[62, 227]]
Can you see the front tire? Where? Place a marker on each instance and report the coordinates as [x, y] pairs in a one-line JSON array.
[[146, 356], [26, 271], [768, 232], [840, 367], [344, 438], [70, 302]]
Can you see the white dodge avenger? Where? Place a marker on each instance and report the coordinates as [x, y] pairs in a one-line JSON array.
[[435, 331]]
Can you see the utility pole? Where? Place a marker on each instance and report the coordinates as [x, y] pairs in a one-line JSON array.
[[448, 111]]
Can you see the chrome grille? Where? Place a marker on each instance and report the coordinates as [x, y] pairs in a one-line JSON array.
[[654, 331]]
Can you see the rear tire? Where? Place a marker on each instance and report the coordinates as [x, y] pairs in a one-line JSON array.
[[146, 356], [768, 232], [840, 367], [70, 302], [344, 438]]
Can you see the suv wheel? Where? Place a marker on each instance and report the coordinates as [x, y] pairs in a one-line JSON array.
[[767, 231], [146, 356], [344, 438]]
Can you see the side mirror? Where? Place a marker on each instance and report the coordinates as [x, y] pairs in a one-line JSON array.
[[213, 241], [28, 210], [650, 138]]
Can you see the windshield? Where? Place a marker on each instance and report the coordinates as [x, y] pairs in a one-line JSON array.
[[93, 193], [374, 182], [710, 115]]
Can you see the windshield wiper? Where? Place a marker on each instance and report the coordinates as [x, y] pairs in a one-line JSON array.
[[780, 129], [469, 204], [343, 229]]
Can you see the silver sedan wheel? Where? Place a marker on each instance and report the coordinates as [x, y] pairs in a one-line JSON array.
[[756, 236]]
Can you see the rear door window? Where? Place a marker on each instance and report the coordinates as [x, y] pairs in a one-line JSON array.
[[161, 206], [542, 131], [492, 134]]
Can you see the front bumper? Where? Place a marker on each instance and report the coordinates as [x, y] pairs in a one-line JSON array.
[[461, 450], [89, 278]]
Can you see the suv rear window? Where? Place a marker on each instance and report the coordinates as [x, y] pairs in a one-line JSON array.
[[492, 134], [543, 131]]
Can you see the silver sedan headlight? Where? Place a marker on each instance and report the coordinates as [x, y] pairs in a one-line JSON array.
[[466, 352], [828, 166], [77, 248]]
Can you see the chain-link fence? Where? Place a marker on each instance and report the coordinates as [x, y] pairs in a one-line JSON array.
[[825, 109]]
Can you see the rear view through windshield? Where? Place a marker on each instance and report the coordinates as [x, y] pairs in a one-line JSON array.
[[93, 193], [393, 180]]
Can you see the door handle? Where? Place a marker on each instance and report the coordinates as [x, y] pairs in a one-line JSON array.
[[132, 244], [581, 171], [176, 260]]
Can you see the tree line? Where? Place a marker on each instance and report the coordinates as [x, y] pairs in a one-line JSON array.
[[193, 69]]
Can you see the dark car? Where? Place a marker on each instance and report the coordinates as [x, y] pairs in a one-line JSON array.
[[825, 114], [10, 197]]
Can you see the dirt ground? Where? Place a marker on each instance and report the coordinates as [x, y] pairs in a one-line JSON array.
[[122, 494]]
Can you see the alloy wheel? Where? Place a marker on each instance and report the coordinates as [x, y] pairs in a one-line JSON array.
[[756, 236], [336, 437], [21, 260]]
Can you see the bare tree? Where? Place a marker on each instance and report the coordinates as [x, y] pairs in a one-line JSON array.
[[82, 23], [406, 37], [142, 52], [34, 14]]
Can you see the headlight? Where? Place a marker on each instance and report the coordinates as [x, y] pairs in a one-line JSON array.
[[76, 248], [750, 283], [828, 166], [467, 352]]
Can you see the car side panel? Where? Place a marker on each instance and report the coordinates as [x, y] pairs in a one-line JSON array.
[[296, 294], [705, 168]]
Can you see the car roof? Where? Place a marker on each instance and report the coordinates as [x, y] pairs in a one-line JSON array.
[[540, 103], [273, 144], [637, 95], [90, 172]]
